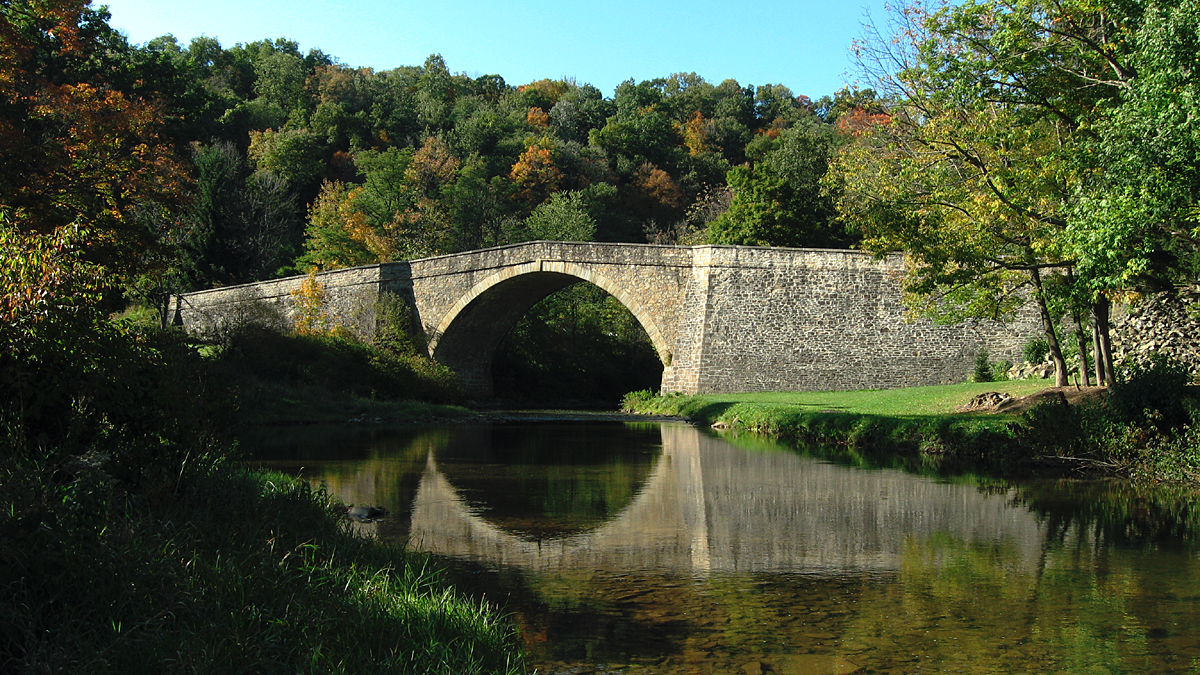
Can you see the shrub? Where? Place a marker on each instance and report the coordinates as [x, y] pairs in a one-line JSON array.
[[394, 326], [338, 364], [1053, 427], [983, 369], [1000, 371], [1036, 350], [635, 401], [1151, 392]]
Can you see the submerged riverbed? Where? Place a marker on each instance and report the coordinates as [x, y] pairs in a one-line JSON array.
[[662, 548]]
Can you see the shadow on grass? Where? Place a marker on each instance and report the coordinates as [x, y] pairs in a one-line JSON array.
[[711, 411]]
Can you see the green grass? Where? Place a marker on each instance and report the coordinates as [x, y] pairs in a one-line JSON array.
[[912, 403], [218, 569], [917, 419]]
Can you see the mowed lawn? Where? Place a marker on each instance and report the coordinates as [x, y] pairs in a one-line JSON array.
[[913, 402]]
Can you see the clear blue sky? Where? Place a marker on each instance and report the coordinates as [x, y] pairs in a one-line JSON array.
[[803, 44]]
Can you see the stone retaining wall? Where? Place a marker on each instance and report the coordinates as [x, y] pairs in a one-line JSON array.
[[1162, 324]]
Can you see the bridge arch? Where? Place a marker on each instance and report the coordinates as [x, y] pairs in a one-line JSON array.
[[469, 332]]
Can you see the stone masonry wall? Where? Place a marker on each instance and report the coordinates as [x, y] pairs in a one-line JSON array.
[[723, 318], [350, 296], [797, 320], [1161, 324]]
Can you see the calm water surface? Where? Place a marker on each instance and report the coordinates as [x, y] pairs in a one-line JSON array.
[[661, 548]]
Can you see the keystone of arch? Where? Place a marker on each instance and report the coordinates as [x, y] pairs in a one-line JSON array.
[[572, 269]]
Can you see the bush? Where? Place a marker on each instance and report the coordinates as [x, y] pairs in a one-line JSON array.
[[339, 364], [1152, 392], [1054, 427], [1000, 371], [1036, 350], [636, 400], [395, 329]]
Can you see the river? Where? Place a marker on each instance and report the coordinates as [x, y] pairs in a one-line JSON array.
[[661, 548]]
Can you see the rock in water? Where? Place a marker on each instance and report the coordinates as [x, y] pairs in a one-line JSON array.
[[365, 513]]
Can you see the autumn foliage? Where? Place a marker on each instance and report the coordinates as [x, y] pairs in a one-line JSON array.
[[87, 152], [858, 121], [535, 173]]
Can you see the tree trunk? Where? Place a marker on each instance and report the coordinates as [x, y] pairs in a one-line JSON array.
[[164, 310], [1081, 341], [1099, 357], [1039, 296], [1100, 311]]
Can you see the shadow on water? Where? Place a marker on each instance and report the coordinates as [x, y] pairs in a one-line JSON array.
[[666, 549]]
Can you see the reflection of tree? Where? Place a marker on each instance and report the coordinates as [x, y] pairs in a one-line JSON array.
[[1116, 512], [377, 467], [972, 607]]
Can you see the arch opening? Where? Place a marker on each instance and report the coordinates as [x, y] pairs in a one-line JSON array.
[[578, 335]]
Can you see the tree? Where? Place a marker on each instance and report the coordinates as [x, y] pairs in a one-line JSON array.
[[296, 155], [780, 201], [338, 234], [563, 217], [976, 170], [386, 190], [433, 167], [280, 79], [435, 94], [1135, 224], [78, 151], [640, 132], [240, 226], [478, 206], [535, 173]]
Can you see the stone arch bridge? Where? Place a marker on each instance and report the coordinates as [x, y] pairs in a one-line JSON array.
[[722, 318]]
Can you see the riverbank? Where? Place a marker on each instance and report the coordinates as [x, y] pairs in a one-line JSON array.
[[918, 418], [133, 540], [287, 379], [1123, 432], [216, 568]]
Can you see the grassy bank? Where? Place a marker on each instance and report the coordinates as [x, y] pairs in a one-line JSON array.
[[1144, 427], [909, 419], [912, 403], [279, 378], [131, 542], [218, 569]]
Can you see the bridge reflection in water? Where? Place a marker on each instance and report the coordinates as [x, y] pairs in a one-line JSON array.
[[665, 550], [707, 506]]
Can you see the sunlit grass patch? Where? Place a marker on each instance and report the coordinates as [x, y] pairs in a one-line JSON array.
[[912, 402]]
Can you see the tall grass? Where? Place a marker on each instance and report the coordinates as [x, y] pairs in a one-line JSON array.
[[219, 569], [130, 543]]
